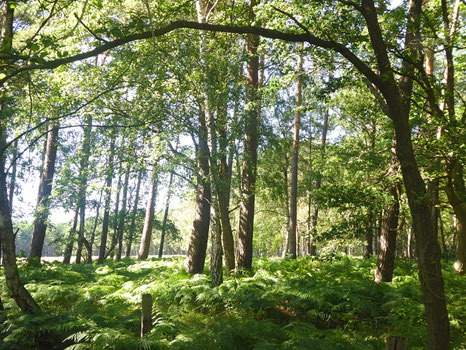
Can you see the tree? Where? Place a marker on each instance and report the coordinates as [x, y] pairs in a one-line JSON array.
[[108, 197], [397, 94], [294, 163], [17, 290], [132, 225], [249, 166], [165, 214], [83, 180], [150, 212], [121, 217], [45, 190], [196, 255], [386, 258]]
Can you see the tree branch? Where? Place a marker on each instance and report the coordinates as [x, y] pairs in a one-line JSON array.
[[264, 32]]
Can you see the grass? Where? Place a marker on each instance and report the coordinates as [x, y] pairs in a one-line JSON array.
[[282, 304]]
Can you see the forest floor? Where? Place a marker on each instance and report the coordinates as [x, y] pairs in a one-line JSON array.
[[307, 303]]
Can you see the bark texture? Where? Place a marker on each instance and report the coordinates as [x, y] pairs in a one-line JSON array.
[[71, 237], [121, 218], [108, 197], [197, 249], [248, 182], [12, 184], [165, 215], [43, 197], [323, 142], [456, 193], [386, 258], [149, 219], [398, 101], [132, 225], [217, 252], [292, 245], [83, 178], [223, 187], [21, 296]]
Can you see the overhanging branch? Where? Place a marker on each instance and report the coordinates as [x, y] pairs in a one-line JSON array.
[[264, 32]]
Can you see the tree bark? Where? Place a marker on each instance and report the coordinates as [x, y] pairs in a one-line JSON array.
[[217, 252], [71, 236], [223, 187], [12, 183], [108, 197], [369, 249], [149, 220], [83, 177], [113, 243], [121, 218], [165, 214], [386, 258], [456, 193], [197, 249], [398, 98], [311, 248], [323, 142], [132, 225], [246, 218], [94, 228], [287, 202], [43, 197], [292, 244], [21, 296]]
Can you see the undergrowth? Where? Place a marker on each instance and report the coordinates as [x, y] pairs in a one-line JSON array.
[[282, 304]]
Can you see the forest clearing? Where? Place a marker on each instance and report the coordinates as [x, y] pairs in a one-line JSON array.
[[222, 174]]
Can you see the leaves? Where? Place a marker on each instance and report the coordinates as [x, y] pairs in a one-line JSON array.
[[285, 304]]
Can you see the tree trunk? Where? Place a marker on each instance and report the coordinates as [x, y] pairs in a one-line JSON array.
[[21, 296], [216, 260], [292, 244], [108, 197], [115, 219], [217, 252], [456, 194], [311, 249], [371, 216], [246, 217], [83, 177], [12, 184], [442, 235], [149, 220], [386, 259], [92, 239], [323, 142], [287, 203], [197, 249], [165, 214], [223, 188], [398, 101], [369, 243], [409, 244], [121, 218], [71, 236], [43, 197], [132, 225]]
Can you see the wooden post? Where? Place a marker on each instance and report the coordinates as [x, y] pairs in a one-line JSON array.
[[146, 318], [396, 343]]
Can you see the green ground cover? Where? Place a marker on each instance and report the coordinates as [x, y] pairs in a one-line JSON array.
[[282, 304]]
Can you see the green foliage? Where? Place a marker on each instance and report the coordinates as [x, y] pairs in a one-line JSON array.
[[283, 304]]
